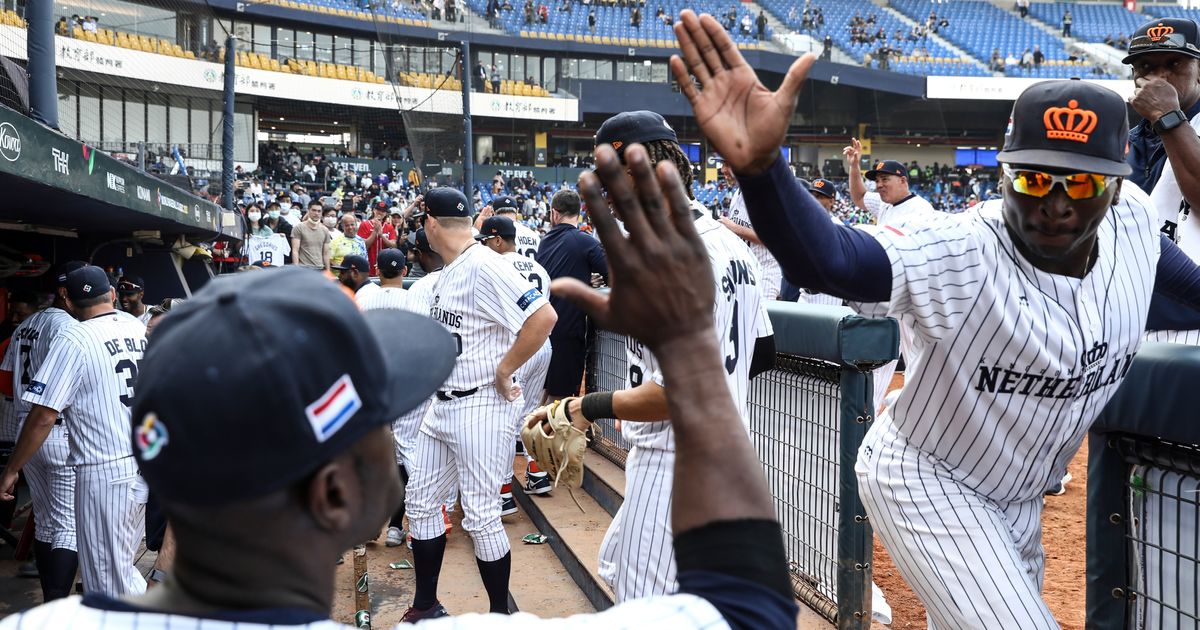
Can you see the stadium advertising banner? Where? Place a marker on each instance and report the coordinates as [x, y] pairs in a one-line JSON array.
[[1001, 88], [33, 152], [135, 64]]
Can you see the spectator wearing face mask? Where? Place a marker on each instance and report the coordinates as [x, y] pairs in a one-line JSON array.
[[348, 242], [258, 226], [275, 220], [286, 211], [330, 221]]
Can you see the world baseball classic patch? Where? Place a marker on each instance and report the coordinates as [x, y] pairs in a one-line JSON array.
[[527, 299], [36, 387]]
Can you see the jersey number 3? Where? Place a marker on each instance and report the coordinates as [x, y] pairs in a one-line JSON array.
[[128, 369], [731, 360]]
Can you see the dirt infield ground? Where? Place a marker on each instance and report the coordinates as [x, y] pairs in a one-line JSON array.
[[1063, 536]]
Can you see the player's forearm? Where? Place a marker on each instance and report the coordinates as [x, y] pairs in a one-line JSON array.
[[1183, 150], [858, 190], [742, 232], [37, 427], [645, 403], [530, 338], [1177, 277], [814, 252], [708, 429]]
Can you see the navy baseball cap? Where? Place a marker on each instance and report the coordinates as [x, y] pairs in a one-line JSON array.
[[420, 241], [1068, 124], [1176, 35], [445, 201], [353, 261], [497, 227], [627, 128], [66, 268], [504, 203], [888, 167], [822, 186], [391, 260], [130, 284], [309, 414], [86, 283]]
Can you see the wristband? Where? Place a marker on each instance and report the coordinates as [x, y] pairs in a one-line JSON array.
[[597, 405]]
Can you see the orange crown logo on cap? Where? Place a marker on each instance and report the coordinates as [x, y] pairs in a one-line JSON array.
[[1159, 31], [819, 184], [617, 144], [878, 166], [1070, 122]]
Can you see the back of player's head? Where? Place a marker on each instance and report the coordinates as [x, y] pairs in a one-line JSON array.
[[566, 202], [504, 205], [653, 132], [323, 408], [391, 263]]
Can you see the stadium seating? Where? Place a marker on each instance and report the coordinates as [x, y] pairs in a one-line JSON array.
[[1090, 22], [941, 60], [612, 23], [980, 27], [1162, 11], [10, 18], [358, 10]]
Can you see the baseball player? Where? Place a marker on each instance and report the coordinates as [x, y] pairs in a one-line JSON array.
[[354, 272], [636, 557], [132, 291], [88, 378], [824, 192], [1027, 314], [738, 222], [391, 292], [51, 480], [500, 235], [892, 203], [527, 240], [421, 291], [262, 516], [498, 321]]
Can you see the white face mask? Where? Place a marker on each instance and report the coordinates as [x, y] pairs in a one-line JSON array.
[[330, 222], [254, 216], [284, 208]]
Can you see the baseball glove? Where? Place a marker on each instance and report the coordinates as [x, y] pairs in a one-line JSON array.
[[556, 445]]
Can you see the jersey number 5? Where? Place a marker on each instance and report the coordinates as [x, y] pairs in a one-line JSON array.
[[129, 369]]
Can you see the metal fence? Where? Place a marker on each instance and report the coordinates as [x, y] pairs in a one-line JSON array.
[[1143, 556], [807, 417]]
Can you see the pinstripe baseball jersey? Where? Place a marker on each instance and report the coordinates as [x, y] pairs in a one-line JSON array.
[[387, 297], [421, 291], [365, 292], [766, 261], [1016, 362], [673, 611], [531, 271], [527, 240], [1174, 212], [89, 376], [902, 212], [483, 302], [28, 349], [740, 318]]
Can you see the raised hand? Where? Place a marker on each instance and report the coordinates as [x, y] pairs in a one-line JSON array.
[[743, 120], [853, 153], [647, 301]]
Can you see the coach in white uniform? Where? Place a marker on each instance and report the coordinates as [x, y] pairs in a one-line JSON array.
[[1027, 318], [892, 203], [88, 377], [51, 480], [498, 321]]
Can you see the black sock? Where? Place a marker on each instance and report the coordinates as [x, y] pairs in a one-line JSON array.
[[56, 570], [427, 564], [398, 517], [495, 581]]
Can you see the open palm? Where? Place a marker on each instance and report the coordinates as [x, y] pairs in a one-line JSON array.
[[743, 120]]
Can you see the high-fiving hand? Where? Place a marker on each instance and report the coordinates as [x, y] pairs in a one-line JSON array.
[[744, 121]]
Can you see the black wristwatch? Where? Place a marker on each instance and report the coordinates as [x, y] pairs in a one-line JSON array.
[[1169, 121]]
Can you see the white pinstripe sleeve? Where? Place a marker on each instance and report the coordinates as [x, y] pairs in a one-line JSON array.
[[57, 379], [873, 203], [505, 296], [764, 321], [937, 265]]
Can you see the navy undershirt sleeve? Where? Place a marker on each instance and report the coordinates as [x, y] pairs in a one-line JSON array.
[[1175, 304], [812, 251]]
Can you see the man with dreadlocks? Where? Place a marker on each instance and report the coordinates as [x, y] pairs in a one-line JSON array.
[[637, 557]]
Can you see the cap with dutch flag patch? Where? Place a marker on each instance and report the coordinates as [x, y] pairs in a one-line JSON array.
[[208, 431]]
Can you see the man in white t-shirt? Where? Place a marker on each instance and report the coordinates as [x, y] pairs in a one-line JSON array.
[[892, 203], [355, 273]]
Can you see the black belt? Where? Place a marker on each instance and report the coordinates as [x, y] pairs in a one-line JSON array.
[[58, 420], [455, 393]]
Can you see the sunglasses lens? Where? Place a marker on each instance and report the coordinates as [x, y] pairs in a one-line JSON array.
[[1085, 185], [1077, 185], [1032, 183]]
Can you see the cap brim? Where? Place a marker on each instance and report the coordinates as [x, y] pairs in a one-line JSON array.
[[820, 191], [418, 354], [1181, 51], [1075, 162]]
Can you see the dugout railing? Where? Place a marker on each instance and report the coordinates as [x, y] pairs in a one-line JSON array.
[[808, 416], [1143, 508]]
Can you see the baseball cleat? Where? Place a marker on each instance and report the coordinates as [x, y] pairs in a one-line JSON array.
[[413, 615], [508, 505], [395, 537], [1059, 488], [537, 483]]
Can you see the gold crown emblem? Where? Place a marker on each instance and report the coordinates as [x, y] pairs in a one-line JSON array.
[[1070, 122], [820, 184], [1159, 31], [617, 144], [879, 166]]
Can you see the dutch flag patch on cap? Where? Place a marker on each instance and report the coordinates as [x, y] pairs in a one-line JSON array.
[[333, 409]]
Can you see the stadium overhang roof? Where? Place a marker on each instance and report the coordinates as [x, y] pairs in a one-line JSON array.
[[51, 180]]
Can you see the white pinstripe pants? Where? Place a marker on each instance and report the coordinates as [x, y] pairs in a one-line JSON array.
[[52, 486], [637, 557], [465, 441], [532, 377], [110, 510], [974, 562]]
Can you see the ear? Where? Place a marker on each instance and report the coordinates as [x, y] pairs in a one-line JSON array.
[[1117, 192], [330, 493]]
